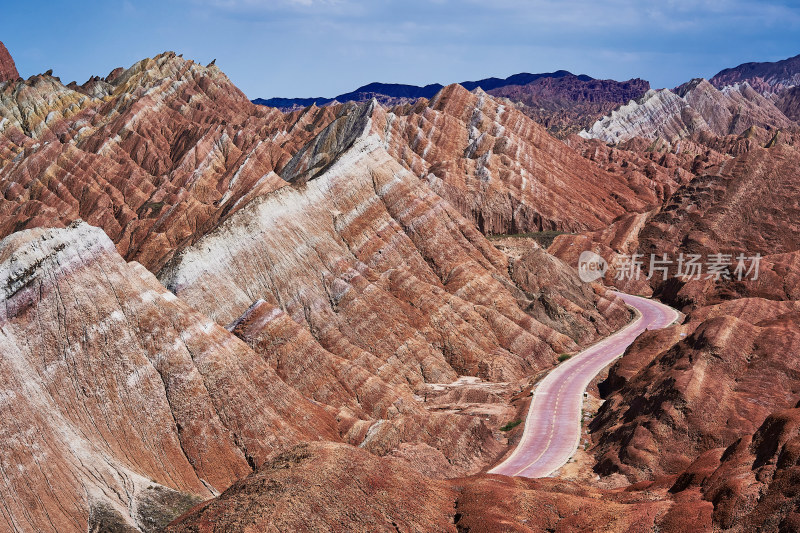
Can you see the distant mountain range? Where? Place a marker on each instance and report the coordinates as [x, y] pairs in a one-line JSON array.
[[561, 101], [384, 91], [765, 77]]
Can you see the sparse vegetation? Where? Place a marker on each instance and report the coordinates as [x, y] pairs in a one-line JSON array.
[[544, 238], [510, 425], [154, 207], [563, 357]]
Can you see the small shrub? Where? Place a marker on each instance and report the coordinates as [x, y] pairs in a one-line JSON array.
[[510, 425], [563, 357], [544, 238]]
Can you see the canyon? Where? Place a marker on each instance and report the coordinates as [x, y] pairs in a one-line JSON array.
[[223, 316]]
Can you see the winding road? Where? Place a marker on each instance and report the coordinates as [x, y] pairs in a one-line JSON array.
[[552, 428]]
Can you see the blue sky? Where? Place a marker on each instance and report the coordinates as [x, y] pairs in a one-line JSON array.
[[327, 47]]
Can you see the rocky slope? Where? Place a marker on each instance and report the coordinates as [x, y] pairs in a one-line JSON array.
[[358, 492], [155, 154], [750, 485], [372, 262], [125, 401], [684, 405], [693, 108], [160, 153], [735, 205], [500, 169], [712, 381], [571, 103], [789, 103], [755, 484], [765, 77], [8, 70]]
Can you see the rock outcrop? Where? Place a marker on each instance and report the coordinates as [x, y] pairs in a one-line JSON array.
[[121, 395], [8, 70], [693, 108], [714, 379], [155, 154], [376, 265]]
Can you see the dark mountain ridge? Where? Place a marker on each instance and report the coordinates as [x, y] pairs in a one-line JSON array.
[[412, 92]]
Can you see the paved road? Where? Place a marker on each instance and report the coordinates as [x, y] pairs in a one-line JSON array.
[[552, 427]]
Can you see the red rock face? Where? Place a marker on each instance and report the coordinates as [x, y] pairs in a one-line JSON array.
[[500, 169], [8, 70], [694, 108], [175, 148], [733, 366], [320, 487], [119, 388]]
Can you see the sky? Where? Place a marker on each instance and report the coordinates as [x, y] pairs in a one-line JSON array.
[[303, 48]]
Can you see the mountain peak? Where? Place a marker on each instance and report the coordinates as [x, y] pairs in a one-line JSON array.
[[393, 93], [8, 70], [765, 77]]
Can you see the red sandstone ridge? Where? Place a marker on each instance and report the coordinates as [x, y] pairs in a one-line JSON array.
[[678, 397], [735, 205], [500, 169], [706, 384], [694, 108], [750, 486], [366, 240], [161, 152], [323, 487], [155, 154], [126, 402], [8, 70]]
